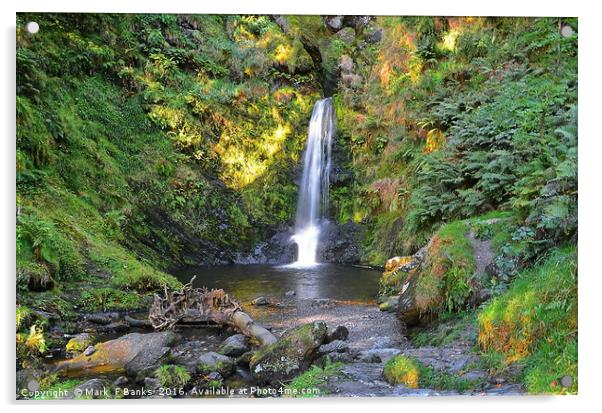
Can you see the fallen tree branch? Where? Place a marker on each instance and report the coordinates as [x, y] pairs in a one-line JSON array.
[[202, 305]]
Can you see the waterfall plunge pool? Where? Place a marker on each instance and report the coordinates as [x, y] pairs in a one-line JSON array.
[[320, 281]]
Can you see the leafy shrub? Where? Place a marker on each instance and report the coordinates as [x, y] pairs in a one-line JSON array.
[[172, 376]]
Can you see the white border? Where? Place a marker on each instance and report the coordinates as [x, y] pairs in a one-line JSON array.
[[590, 155]]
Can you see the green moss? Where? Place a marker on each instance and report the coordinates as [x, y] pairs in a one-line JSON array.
[[411, 373], [127, 272], [535, 323], [308, 383], [106, 299], [445, 278], [449, 328], [402, 370], [79, 344]]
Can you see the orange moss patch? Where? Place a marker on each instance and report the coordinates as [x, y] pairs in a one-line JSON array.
[[402, 370], [394, 263]]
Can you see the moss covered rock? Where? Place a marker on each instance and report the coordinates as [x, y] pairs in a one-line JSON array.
[[132, 353], [290, 355], [402, 370], [215, 362], [443, 280], [79, 343]]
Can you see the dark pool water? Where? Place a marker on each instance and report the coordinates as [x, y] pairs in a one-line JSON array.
[[246, 282]]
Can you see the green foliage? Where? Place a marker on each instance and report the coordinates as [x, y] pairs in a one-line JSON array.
[[449, 328], [43, 253], [535, 323], [501, 95], [105, 299], [57, 390], [411, 373], [31, 345], [172, 376], [445, 282], [304, 384]]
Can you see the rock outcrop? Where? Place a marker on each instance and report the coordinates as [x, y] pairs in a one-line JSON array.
[[290, 355]]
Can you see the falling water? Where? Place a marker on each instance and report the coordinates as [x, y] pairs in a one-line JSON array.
[[313, 192]]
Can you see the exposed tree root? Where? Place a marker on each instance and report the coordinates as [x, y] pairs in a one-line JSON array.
[[202, 305]]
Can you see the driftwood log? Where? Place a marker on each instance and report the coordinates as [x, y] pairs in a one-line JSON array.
[[202, 305]]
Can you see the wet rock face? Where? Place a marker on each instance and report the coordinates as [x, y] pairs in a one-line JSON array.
[[278, 249], [290, 355], [338, 244], [341, 243]]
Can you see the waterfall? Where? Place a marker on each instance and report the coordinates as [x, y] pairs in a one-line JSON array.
[[313, 191]]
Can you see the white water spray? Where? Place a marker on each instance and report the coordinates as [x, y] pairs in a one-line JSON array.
[[313, 192]]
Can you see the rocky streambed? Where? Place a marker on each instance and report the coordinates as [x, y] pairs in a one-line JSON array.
[[210, 361]]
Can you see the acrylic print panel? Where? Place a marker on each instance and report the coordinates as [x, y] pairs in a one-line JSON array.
[[295, 206]]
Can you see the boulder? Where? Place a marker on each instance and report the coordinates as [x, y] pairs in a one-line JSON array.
[[89, 351], [334, 22], [102, 318], [152, 384], [290, 355], [374, 36], [336, 346], [339, 333], [389, 304], [346, 35], [214, 379], [234, 346], [93, 389], [346, 64], [120, 381], [215, 362], [79, 343], [28, 380], [132, 353], [395, 263], [407, 310], [259, 301]]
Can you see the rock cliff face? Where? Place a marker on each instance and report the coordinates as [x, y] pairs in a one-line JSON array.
[[342, 244]]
